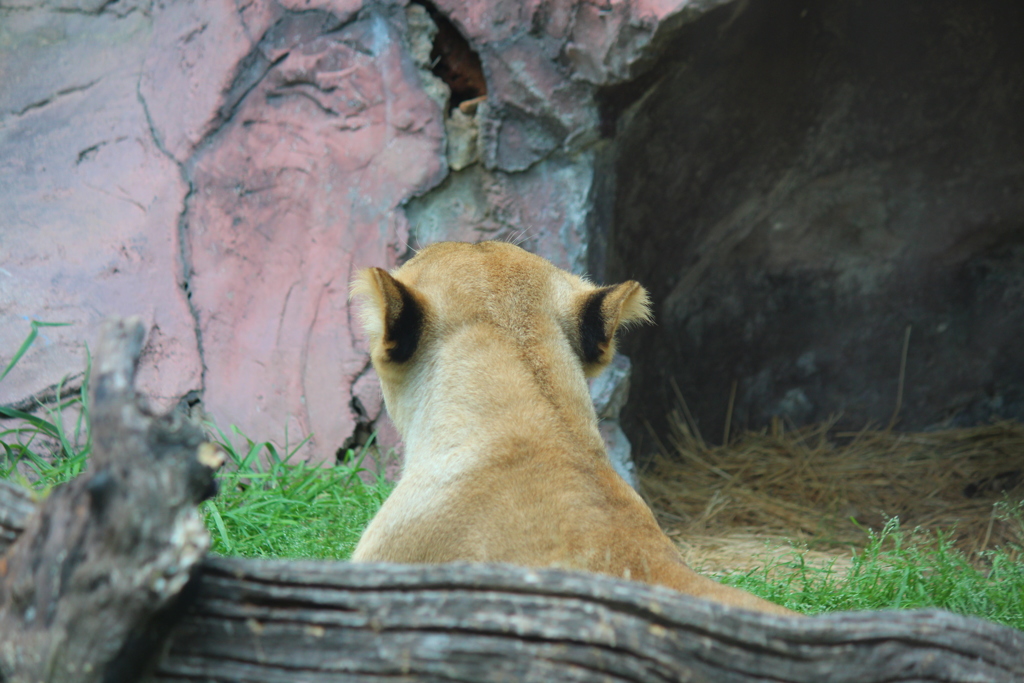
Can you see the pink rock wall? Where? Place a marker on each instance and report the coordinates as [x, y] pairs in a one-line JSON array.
[[89, 205], [222, 168], [294, 192]]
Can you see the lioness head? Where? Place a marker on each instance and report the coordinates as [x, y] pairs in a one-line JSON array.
[[492, 305]]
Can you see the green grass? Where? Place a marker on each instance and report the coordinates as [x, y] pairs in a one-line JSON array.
[[897, 570], [270, 506], [42, 451]]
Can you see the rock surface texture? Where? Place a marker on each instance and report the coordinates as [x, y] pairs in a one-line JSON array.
[[223, 167], [797, 183], [801, 184]]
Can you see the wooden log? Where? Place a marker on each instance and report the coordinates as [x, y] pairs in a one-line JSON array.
[[85, 591], [276, 621], [16, 506], [311, 621], [106, 552], [308, 621]]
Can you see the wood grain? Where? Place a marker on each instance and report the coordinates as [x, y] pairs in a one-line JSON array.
[[95, 586], [306, 621], [102, 555], [16, 506]]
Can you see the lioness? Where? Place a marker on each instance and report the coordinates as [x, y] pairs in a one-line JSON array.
[[483, 352]]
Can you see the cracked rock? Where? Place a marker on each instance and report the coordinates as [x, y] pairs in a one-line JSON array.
[[223, 170]]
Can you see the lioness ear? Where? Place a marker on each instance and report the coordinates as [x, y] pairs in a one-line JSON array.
[[603, 311], [392, 315]]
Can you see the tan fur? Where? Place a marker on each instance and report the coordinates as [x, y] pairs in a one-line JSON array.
[[503, 458]]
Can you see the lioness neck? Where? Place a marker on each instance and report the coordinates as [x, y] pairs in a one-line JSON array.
[[484, 390]]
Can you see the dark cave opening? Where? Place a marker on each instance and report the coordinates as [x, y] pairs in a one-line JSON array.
[[454, 61], [798, 184]]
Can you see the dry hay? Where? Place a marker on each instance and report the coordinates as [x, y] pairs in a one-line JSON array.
[[821, 490], [728, 552]]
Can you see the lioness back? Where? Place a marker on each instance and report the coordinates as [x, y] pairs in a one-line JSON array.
[[483, 352]]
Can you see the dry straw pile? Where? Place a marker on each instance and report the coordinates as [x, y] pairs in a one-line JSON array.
[[822, 489]]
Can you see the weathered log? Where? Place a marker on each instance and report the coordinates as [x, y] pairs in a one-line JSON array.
[[85, 591], [316, 621], [16, 507], [105, 552], [276, 621]]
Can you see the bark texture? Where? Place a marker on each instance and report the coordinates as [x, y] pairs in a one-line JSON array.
[[105, 552], [15, 507], [93, 588], [269, 621], [306, 621]]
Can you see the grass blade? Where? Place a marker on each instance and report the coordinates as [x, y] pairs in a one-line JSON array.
[[33, 333]]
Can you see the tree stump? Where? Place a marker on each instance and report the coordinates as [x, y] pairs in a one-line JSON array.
[[103, 554]]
